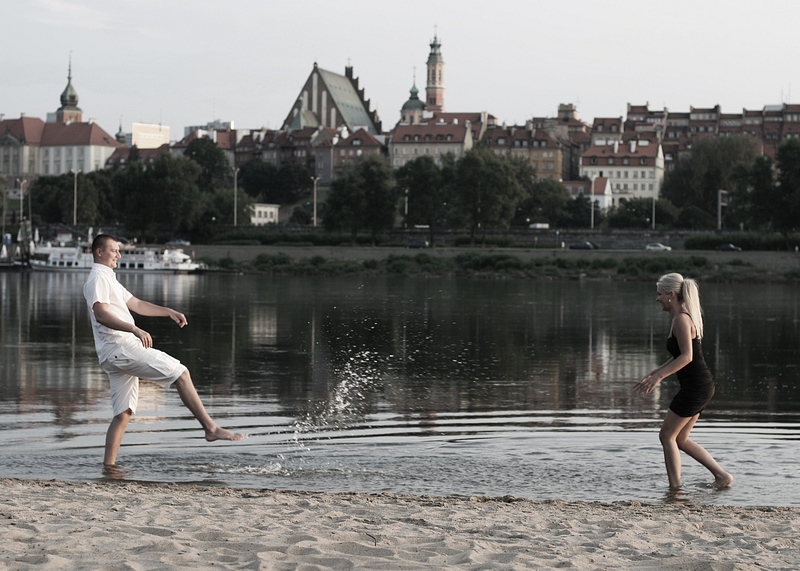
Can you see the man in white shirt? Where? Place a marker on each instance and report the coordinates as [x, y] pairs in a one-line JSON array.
[[126, 352]]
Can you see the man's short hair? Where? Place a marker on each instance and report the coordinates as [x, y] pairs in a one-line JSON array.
[[100, 241]]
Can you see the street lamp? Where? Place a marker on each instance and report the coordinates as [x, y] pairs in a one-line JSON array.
[[315, 179], [22, 183], [654, 213], [591, 200], [720, 204], [406, 209], [74, 196], [235, 195]]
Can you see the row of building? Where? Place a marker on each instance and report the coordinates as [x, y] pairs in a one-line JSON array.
[[332, 123]]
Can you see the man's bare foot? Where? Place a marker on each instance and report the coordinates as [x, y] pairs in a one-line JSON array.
[[220, 433], [723, 481]]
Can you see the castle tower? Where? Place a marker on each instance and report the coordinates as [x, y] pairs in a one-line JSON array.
[[435, 90], [69, 112]]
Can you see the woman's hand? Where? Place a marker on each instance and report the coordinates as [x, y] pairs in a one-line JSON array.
[[646, 385]]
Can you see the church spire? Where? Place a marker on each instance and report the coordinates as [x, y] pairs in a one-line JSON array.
[[69, 111], [434, 91]]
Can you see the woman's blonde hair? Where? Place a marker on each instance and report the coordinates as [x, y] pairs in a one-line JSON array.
[[688, 294]]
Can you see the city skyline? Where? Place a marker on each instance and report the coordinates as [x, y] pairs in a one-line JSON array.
[[161, 63]]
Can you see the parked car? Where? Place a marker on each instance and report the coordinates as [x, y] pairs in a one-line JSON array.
[[178, 243], [585, 245], [658, 247], [728, 248], [416, 244]]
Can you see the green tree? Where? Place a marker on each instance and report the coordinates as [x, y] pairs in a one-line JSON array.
[[421, 182], [257, 177], [284, 185], [362, 196], [345, 209], [54, 199], [215, 168], [710, 167], [293, 183], [786, 217], [162, 200], [487, 191], [102, 181], [544, 200], [632, 213]]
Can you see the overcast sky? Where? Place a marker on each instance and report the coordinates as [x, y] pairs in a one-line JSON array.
[[188, 62]]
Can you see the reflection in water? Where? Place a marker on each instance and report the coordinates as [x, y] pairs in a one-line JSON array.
[[452, 366]]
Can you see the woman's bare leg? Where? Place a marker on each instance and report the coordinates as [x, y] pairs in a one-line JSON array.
[[673, 426], [721, 478]]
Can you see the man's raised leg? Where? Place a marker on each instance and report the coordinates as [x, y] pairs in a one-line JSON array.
[[192, 401]]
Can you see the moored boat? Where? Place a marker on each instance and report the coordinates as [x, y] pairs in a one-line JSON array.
[[134, 259]]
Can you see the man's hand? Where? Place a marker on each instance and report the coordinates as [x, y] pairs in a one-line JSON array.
[[144, 337], [178, 318]]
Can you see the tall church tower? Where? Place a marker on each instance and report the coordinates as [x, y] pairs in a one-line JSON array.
[[434, 92], [69, 112]]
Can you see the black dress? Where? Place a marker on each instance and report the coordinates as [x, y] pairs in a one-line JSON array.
[[697, 384]]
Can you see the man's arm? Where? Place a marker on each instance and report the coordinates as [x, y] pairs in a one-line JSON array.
[[148, 309], [104, 316]]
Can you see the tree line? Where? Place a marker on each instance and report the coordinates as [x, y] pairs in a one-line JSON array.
[[480, 192]]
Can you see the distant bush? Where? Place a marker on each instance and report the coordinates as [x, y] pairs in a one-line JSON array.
[[658, 265]]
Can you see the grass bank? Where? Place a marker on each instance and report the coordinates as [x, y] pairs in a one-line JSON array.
[[761, 267]]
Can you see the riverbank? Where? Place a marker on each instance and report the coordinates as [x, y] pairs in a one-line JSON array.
[[712, 265], [77, 526]]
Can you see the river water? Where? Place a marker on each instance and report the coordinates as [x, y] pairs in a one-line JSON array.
[[408, 385]]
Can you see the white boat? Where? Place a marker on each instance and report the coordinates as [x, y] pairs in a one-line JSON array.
[[134, 259]]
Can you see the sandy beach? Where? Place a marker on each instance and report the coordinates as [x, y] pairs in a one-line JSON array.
[[124, 525]]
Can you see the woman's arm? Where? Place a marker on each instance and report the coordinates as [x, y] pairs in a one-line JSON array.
[[682, 329]]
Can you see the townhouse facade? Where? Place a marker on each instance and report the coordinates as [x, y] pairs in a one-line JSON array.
[[536, 147], [634, 169], [597, 190]]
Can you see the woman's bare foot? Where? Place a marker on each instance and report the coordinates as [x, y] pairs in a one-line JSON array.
[[723, 481], [220, 433]]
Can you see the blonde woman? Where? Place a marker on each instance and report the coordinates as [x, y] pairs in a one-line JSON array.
[[680, 297]]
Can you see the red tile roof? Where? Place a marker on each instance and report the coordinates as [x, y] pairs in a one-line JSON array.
[[77, 134], [25, 129], [367, 140]]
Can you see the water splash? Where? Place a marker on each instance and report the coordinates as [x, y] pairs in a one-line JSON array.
[[354, 382]]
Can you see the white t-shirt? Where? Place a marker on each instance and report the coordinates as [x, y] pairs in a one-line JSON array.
[[102, 286]]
